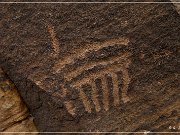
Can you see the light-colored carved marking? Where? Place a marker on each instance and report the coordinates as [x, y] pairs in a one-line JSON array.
[[105, 91], [110, 65], [80, 52], [115, 88], [70, 107], [85, 101], [90, 65], [55, 42], [95, 95], [126, 81], [122, 65], [87, 79]]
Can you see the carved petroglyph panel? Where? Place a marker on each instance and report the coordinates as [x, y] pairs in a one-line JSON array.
[[81, 52], [111, 66], [79, 70]]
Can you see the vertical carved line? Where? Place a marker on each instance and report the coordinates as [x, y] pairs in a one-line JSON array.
[[85, 101], [105, 93], [70, 107], [126, 81], [55, 42], [95, 96], [115, 88]]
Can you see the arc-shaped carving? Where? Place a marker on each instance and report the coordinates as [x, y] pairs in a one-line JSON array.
[[112, 60], [81, 52]]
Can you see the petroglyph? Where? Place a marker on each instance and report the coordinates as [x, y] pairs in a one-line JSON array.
[[95, 95], [88, 72], [70, 107], [90, 65], [55, 42], [115, 88], [115, 67], [105, 93], [126, 81], [85, 101], [80, 52]]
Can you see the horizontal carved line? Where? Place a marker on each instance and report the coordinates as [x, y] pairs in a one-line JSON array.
[[112, 66], [70, 75]]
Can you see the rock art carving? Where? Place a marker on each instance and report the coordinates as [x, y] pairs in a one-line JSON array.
[[110, 66], [55, 42]]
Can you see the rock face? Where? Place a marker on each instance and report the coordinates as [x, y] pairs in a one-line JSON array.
[[94, 67], [14, 115], [177, 5]]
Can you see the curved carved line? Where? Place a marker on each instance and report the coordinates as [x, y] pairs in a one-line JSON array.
[[110, 68], [80, 52], [91, 65]]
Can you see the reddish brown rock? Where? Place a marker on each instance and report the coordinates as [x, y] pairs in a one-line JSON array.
[[94, 67]]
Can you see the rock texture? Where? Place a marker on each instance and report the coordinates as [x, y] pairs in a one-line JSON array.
[[94, 67], [177, 5], [14, 115]]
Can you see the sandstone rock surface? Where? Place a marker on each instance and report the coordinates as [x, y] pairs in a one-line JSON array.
[[94, 67], [14, 115]]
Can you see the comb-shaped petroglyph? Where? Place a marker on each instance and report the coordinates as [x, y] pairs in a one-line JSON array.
[[110, 66], [116, 95]]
